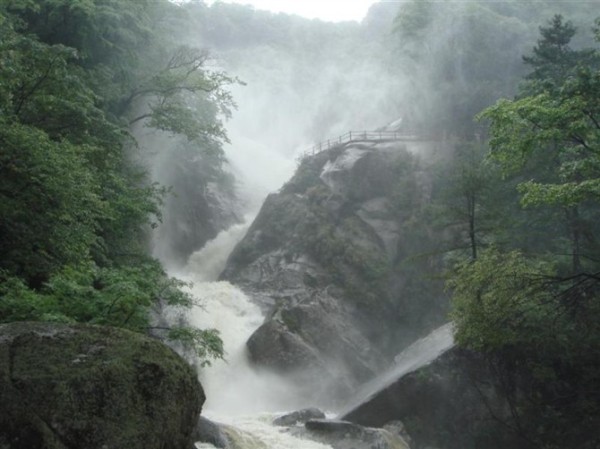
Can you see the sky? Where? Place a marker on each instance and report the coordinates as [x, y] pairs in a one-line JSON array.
[[328, 10]]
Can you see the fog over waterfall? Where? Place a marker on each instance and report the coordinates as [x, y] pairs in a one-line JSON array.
[[225, 227], [311, 83]]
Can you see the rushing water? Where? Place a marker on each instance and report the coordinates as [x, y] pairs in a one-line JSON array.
[[239, 396], [246, 399], [242, 397]]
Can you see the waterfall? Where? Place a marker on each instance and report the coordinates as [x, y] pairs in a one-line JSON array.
[[243, 398]]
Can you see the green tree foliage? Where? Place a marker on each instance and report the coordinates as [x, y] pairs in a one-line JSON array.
[[536, 316], [466, 196], [540, 333], [468, 55], [74, 208], [499, 302], [553, 59], [553, 136]]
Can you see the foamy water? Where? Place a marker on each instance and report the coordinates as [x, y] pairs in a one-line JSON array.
[[242, 398]]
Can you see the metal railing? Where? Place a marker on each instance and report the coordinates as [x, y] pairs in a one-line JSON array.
[[362, 136]]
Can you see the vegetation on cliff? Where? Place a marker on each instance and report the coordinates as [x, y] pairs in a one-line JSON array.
[[534, 308], [75, 207], [515, 216]]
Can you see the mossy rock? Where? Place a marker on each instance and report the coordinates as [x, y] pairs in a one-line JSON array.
[[82, 386]]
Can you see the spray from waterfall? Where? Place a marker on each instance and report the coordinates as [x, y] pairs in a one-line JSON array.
[[410, 359], [233, 386]]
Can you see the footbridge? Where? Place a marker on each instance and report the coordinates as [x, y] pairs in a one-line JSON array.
[[367, 136]]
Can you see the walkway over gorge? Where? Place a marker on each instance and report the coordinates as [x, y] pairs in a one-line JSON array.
[[367, 136]]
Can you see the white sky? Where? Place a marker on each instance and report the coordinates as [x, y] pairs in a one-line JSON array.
[[329, 10]]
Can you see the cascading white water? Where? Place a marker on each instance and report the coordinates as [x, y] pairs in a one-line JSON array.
[[238, 395]]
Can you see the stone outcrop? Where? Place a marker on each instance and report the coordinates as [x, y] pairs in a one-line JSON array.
[[324, 259], [81, 386], [299, 417], [346, 435], [210, 432], [451, 403]]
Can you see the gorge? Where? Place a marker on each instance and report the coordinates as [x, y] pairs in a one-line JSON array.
[[226, 227]]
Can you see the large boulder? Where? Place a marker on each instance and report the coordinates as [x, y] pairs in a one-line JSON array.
[[453, 402], [346, 435], [81, 386], [299, 416], [211, 432]]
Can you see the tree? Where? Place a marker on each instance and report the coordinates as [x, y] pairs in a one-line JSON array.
[[553, 60], [559, 125], [534, 316], [74, 208], [562, 128], [176, 97], [514, 311], [466, 193]]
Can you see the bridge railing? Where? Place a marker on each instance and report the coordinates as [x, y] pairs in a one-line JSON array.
[[358, 136]]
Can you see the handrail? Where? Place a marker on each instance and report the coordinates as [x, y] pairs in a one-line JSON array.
[[354, 136]]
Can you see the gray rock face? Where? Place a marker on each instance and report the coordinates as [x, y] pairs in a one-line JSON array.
[[346, 435], [450, 403], [324, 260], [207, 431], [300, 416], [79, 386]]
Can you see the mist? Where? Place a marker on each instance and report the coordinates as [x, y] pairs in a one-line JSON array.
[[306, 82], [424, 69], [396, 217]]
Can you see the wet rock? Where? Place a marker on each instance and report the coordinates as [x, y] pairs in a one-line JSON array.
[[198, 209], [210, 432], [300, 416], [333, 426], [346, 435], [450, 403], [274, 346], [80, 386]]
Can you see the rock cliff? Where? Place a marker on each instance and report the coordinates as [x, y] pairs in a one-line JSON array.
[[326, 259]]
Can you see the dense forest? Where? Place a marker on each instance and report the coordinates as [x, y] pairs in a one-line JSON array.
[[76, 77], [529, 299], [512, 87]]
